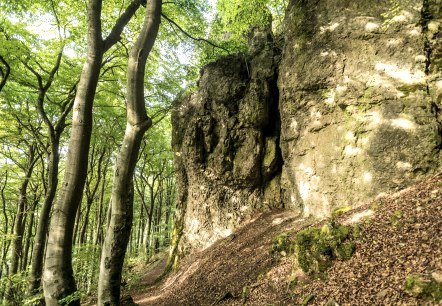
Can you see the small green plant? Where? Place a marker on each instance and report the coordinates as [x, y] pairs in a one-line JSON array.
[[422, 287], [396, 219], [245, 294], [281, 245], [336, 212], [357, 232], [375, 206], [34, 300], [77, 295], [315, 248], [307, 300]]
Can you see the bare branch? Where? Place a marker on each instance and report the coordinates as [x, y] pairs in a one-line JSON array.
[[192, 37]]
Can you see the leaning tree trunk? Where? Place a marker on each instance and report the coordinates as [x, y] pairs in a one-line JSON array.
[[138, 122], [58, 278]]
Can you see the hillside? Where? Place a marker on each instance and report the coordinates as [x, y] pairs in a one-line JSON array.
[[400, 235]]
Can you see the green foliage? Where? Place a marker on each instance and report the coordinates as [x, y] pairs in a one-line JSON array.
[[315, 249], [281, 245], [396, 8], [233, 20], [16, 285], [397, 218], [336, 212], [425, 288], [34, 300], [77, 295]]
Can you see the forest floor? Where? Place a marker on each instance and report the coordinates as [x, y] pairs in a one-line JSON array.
[[400, 236]]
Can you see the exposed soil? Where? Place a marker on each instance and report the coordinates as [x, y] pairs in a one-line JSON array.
[[401, 235]]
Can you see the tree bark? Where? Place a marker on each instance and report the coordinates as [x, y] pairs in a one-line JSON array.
[[138, 122], [54, 132], [19, 224], [58, 278]]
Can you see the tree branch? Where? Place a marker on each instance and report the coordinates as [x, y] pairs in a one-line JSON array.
[[122, 21], [192, 37], [6, 74]]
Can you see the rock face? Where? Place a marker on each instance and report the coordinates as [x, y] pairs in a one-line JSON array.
[[360, 90], [226, 143], [350, 110]]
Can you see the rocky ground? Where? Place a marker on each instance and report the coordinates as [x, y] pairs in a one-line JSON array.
[[400, 237]]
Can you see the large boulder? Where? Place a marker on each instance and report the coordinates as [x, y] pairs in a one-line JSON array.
[[226, 144], [350, 110]]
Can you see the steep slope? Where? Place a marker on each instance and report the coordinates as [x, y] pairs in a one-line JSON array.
[[400, 236]]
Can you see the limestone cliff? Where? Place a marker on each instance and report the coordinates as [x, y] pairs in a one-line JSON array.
[[351, 109]]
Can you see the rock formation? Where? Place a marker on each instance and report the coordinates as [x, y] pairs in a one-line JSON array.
[[351, 109]]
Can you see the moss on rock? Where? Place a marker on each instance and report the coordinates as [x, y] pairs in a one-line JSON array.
[[315, 249]]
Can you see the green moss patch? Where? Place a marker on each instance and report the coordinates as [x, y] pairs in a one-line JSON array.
[[315, 249], [281, 244], [422, 287]]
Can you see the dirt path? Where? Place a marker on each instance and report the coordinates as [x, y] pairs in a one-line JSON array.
[[222, 270]]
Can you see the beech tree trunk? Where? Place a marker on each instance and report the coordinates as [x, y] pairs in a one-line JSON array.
[[58, 278], [118, 232], [19, 224], [54, 131]]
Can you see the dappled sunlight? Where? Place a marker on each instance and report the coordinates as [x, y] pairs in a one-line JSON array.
[[403, 17], [403, 165], [403, 124], [350, 136], [315, 114], [374, 118], [367, 177], [329, 28], [341, 89], [358, 217], [304, 190], [193, 227], [402, 75], [371, 27], [294, 126], [350, 150], [307, 170], [330, 98]]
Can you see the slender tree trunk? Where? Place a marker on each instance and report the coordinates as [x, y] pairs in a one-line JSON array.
[[58, 279], [20, 221], [5, 230], [19, 226], [54, 131], [38, 250], [99, 231], [83, 230], [138, 122], [157, 222], [29, 235]]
